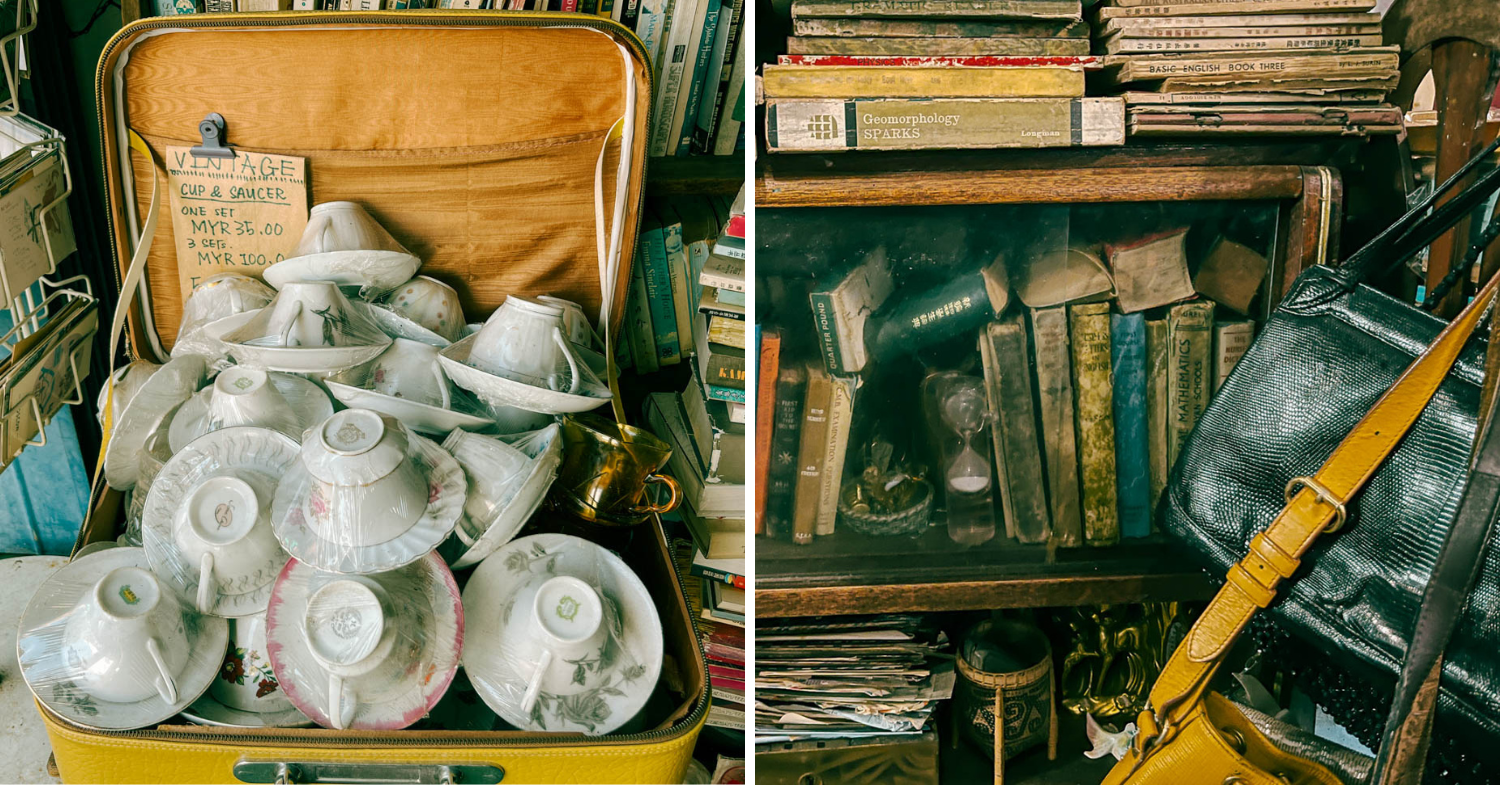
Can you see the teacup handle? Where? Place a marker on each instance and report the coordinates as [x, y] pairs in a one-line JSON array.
[[286, 331], [674, 495], [567, 351], [442, 380], [535, 687], [206, 583], [340, 710], [166, 686]]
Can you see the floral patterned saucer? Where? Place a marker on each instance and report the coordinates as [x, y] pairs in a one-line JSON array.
[[608, 688], [207, 711], [172, 384], [40, 649], [423, 618]]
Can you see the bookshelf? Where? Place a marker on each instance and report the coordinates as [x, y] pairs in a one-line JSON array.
[[852, 574], [695, 174]]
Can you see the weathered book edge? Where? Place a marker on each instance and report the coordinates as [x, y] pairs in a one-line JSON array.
[[812, 453], [1089, 328], [1054, 378]]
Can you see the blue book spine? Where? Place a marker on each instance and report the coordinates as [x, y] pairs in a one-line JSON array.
[[659, 291], [696, 89], [1127, 348]]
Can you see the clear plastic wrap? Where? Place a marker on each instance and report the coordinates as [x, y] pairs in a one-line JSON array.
[[218, 298], [206, 526], [367, 495], [246, 693], [105, 644], [168, 387], [342, 244], [508, 479], [429, 303], [310, 327], [372, 652], [122, 387], [563, 636], [407, 383], [246, 396], [522, 357], [154, 455]]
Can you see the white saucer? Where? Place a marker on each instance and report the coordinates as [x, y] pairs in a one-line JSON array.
[[308, 401], [304, 359], [500, 391], [39, 649], [398, 326], [172, 384], [374, 272], [418, 416], [494, 621], [426, 612], [260, 457], [207, 711], [474, 540], [444, 507]]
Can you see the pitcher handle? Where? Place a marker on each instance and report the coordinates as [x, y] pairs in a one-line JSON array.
[[166, 686], [567, 350], [674, 495], [534, 688], [292, 322], [206, 584]]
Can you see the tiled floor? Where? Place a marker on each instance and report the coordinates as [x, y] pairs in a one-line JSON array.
[[24, 748]]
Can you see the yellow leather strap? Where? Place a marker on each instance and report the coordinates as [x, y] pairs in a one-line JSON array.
[[1275, 553]]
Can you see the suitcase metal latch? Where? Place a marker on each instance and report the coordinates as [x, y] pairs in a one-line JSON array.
[[265, 771]]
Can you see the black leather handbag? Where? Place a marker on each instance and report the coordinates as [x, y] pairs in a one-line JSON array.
[[1330, 350]]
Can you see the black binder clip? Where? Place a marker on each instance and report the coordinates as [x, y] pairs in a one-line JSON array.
[[212, 131]]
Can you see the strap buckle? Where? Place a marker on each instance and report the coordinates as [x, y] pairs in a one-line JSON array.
[[1341, 513]]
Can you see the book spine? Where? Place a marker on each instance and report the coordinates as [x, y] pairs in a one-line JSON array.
[[1190, 336], [960, 306], [1157, 384], [930, 28], [674, 61], [714, 312], [1112, 26], [765, 407], [711, 574], [1126, 45], [724, 276], [901, 124], [701, 57], [732, 115], [720, 71], [726, 394], [218, 6], [733, 250], [812, 453], [1232, 7], [607, 8], [1300, 31], [794, 81], [914, 47], [781, 479], [1249, 65], [983, 9], [828, 336], [682, 300], [642, 333], [1251, 6], [658, 277], [726, 332], [836, 441], [1015, 436], [1054, 381], [892, 61], [1089, 328], [1132, 450], [1231, 339], [651, 27], [630, 13], [725, 370]]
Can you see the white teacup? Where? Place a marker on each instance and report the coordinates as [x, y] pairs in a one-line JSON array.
[[410, 370], [348, 633], [523, 340], [241, 396], [222, 296], [310, 313], [254, 686], [566, 624], [430, 303], [223, 531], [366, 489], [123, 386], [125, 640], [495, 471], [343, 226], [575, 322]]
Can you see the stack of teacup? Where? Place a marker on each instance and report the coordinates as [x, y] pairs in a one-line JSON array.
[[301, 475]]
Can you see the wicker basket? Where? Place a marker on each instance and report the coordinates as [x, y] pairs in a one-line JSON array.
[[909, 522]]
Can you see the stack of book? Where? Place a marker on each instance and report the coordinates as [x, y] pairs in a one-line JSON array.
[[848, 678], [927, 74], [1213, 67], [719, 324], [723, 639], [676, 241]]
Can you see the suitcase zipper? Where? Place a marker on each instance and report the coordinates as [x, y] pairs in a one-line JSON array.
[[263, 737], [306, 18]]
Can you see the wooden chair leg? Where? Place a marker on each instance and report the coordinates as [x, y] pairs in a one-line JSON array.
[[1463, 74]]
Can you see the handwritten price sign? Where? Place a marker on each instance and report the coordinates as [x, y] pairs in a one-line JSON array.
[[239, 214]]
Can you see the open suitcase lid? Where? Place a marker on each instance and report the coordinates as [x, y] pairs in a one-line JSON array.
[[488, 143]]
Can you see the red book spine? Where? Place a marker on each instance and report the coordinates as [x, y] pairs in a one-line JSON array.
[[1088, 62], [735, 227], [765, 405], [569, 5]]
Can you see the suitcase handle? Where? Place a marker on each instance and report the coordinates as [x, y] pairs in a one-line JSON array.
[[285, 772]]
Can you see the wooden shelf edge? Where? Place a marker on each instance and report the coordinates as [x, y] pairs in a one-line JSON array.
[[695, 174], [1033, 186], [1028, 592]]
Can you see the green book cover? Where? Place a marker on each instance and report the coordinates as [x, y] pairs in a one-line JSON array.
[[661, 240]]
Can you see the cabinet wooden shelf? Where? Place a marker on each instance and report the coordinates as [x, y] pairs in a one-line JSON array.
[[695, 174]]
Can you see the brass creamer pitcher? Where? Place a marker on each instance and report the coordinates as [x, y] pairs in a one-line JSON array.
[[606, 468]]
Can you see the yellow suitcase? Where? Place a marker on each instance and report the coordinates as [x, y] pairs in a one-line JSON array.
[[507, 150]]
